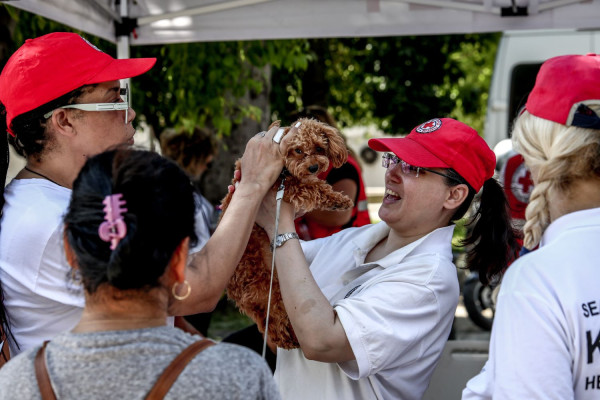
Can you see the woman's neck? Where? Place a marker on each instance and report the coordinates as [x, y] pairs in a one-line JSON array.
[[581, 195], [118, 310]]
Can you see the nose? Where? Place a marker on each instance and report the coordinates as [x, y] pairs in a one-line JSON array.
[[394, 173], [313, 168], [130, 115]]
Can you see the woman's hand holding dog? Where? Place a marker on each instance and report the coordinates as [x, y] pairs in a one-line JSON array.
[[261, 163]]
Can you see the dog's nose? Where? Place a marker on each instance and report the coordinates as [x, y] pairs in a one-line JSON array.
[[313, 168]]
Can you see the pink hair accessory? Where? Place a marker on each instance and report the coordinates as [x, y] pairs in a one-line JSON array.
[[113, 229]]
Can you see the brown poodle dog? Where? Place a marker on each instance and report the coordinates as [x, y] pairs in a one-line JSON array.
[[312, 149]]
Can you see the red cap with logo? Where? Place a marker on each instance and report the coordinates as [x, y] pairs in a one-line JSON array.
[[50, 66], [444, 143], [564, 87]]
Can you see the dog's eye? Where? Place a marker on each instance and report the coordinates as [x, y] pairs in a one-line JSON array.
[[320, 150], [299, 151]]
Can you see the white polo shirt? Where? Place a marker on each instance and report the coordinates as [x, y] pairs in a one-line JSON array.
[[397, 321], [545, 342]]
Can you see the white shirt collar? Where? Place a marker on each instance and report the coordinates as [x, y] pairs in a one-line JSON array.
[[439, 238], [576, 219]]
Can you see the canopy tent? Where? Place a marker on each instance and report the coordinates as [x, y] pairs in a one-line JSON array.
[[170, 21]]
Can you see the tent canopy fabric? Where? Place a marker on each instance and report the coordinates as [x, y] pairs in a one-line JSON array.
[[172, 21]]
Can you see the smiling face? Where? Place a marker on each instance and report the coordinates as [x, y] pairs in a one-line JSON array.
[[100, 130], [414, 206]]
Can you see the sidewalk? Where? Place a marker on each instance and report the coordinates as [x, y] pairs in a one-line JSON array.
[[464, 329]]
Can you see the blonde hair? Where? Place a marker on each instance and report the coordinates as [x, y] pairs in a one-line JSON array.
[[558, 155]]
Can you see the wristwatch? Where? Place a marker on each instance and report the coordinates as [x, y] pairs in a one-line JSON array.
[[282, 238]]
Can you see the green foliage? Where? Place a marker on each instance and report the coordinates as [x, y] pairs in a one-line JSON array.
[[30, 25], [210, 84], [395, 83]]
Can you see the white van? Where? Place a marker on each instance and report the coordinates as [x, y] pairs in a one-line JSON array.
[[520, 54]]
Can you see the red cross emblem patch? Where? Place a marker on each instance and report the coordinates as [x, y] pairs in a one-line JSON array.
[[429, 126]]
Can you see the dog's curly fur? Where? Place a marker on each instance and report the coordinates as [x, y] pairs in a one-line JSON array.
[[314, 146]]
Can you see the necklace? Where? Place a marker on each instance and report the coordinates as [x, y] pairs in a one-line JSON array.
[[43, 176]]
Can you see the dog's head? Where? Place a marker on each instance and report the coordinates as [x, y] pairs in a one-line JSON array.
[[313, 146]]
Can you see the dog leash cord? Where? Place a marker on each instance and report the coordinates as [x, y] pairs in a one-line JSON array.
[[279, 198]]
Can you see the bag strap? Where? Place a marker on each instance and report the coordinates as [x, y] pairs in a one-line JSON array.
[[158, 391], [171, 373], [41, 374]]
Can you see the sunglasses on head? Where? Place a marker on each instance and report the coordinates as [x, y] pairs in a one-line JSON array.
[[389, 160]]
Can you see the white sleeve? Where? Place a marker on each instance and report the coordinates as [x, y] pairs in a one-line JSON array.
[[53, 280]]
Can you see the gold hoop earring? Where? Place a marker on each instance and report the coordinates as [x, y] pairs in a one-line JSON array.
[[187, 293]]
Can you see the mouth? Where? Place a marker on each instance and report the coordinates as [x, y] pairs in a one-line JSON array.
[[390, 196]]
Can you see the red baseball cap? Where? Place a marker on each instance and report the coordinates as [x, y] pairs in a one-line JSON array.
[[50, 66], [444, 143], [563, 87]]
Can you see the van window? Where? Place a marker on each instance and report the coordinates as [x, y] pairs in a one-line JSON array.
[[522, 80]]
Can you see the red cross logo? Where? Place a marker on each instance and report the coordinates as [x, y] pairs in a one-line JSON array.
[[429, 126], [525, 181]]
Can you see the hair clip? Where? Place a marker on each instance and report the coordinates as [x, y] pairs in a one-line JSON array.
[[113, 229]]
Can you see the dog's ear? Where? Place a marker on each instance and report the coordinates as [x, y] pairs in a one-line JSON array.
[[278, 123], [338, 154]]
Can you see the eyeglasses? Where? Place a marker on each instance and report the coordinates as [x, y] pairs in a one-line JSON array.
[[122, 105], [389, 160]]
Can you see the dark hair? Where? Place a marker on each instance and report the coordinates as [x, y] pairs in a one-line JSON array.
[[160, 214], [322, 115], [491, 240], [315, 112], [30, 128], [187, 147]]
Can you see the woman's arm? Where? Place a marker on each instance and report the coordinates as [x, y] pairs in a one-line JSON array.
[[317, 327], [210, 269]]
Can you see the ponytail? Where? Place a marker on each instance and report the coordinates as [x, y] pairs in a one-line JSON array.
[[492, 240]]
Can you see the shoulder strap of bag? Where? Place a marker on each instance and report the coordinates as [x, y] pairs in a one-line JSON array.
[[41, 374], [171, 373], [158, 391]]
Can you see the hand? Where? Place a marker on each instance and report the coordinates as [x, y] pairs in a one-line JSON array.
[[262, 161], [265, 217]]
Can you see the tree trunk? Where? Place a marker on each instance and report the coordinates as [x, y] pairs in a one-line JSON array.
[[215, 180]]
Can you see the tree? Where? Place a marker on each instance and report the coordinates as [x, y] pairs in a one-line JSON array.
[[237, 88], [396, 82]]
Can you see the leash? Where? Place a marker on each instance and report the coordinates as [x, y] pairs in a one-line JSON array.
[[279, 198]]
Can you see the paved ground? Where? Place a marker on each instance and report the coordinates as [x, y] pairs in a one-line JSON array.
[[465, 329]]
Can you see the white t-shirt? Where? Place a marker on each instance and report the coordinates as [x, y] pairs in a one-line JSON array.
[[40, 298], [545, 342], [397, 321]]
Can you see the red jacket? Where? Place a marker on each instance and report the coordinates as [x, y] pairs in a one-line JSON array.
[[308, 230]]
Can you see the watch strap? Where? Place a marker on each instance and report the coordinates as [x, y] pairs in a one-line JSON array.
[[282, 238]]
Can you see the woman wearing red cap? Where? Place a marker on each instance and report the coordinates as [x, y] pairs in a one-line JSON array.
[[372, 307], [61, 100], [545, 341]]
